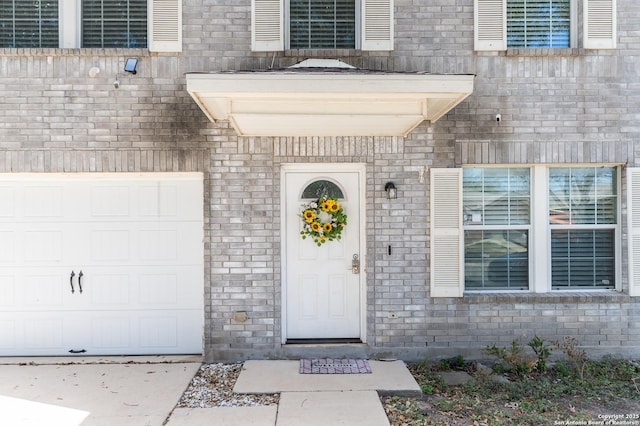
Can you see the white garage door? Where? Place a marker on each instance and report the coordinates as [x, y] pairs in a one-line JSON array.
[[101, 264]]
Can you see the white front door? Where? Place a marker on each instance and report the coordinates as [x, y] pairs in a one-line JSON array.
[[322, 291], [101, 264]]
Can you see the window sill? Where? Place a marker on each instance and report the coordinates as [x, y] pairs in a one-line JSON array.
[[54, 51], [545, 52], [595, 296], [323, 53]]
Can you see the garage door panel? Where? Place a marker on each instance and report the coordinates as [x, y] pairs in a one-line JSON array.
[[106, 290], [44, 334], [110, 246], [170, 199], [43, 202], [7, 246], [7, 291], [110, 201], [158, 331], [110, 332], [8, 205], [158, 244], [175, 287], [8, 334], [159, 201], [45, 291], [159, 290], [41, 245]]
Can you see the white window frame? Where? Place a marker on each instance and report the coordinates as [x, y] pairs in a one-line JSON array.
[[447, 257], [520, 227], [573, 27], [616, 227]]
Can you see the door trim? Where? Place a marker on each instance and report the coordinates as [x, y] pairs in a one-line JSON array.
[[360, 169]]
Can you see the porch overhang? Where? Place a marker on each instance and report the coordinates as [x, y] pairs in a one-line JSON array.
[[334, 102]]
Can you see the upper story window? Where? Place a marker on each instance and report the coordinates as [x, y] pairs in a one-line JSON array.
[[92, 24], [325, 24], [108, 23], [538, 23], [28, 23], [321, 24], [502, 24]]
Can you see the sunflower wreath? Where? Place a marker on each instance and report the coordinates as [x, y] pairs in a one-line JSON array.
[[323, 220]]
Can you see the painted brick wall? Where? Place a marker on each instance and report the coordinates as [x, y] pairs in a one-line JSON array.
[[567, 105]]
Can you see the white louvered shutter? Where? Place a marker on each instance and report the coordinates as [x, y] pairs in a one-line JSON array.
[[165, 25], [599, 24], [377, 25], [633, 221], [267, 25], [446, 233], [490, 24]]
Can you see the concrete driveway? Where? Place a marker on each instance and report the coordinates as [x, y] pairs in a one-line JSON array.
[[100, 391]]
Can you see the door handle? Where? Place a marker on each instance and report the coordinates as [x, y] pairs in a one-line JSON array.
[[73, 274], [80, 281], [355, 264]]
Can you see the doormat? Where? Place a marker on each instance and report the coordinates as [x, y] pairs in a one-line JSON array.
[[334, 366]]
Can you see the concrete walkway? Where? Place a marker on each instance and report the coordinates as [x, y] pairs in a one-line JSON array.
[[307, 399], [110, 391], [143, 391]]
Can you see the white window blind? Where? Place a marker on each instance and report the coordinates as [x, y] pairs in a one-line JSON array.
[[538, 23], [29, 23], [108, 23], [324, 24], [582, 217]]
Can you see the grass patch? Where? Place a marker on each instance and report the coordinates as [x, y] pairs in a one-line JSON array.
[[562, 391]]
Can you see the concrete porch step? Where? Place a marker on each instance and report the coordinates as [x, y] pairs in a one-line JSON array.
[[387, 377]]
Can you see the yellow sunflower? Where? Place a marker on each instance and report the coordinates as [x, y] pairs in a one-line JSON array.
[[315, 226], [309, 215], [335, 207], [326, 205], [327, 227]]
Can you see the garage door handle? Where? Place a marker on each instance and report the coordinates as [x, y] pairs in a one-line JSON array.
[[73, 274], [80, 281]]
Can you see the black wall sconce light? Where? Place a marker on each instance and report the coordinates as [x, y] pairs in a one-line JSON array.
[[392, 192], [130, 65]]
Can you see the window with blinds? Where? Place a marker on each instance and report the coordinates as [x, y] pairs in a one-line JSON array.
[[582, 218], [538, 23], [28, 23], [322, 24], [119, 23], [496, 220]]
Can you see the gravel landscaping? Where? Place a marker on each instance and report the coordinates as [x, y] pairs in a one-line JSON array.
[[212, 386]]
